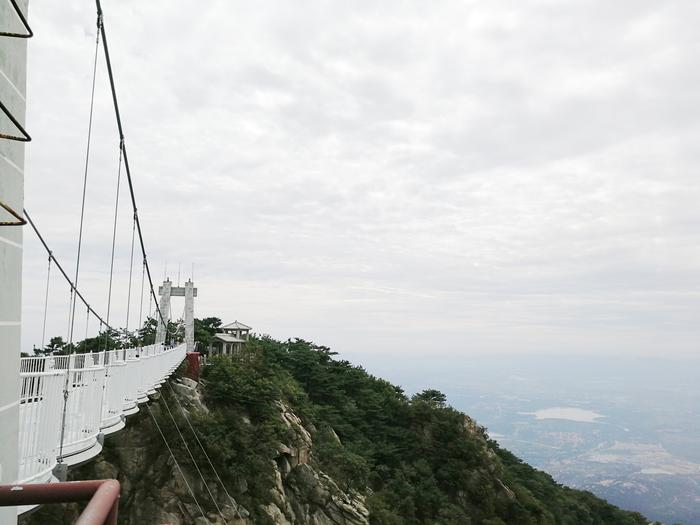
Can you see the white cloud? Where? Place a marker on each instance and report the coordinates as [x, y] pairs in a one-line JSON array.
[[476, 176]]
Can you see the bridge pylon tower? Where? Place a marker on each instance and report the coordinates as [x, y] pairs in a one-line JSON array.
[[166, 291]]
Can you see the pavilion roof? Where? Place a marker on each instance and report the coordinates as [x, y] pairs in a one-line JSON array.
[[228, 338], [236, 325]]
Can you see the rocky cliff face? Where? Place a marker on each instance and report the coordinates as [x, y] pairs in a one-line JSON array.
[[157, 490], [304, 494]]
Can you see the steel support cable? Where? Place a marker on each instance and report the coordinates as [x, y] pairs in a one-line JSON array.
[[80, 241], [87, 323], [85, 175], [70, 302], [143, 278], [175, 460], [46, 304], [127, 168], [150, 314], [114, 232], [73, 288], [170, 317], [194, 433], [131, 272], [194, 461], [23, 19]]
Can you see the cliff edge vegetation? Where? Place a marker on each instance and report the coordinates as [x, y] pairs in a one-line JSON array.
[[301, 437]]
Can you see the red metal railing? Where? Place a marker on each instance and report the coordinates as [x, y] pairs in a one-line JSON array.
[[102, 493]]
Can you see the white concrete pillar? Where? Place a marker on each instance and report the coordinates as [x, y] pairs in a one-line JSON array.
[[189, 315], [13, 76], [164, 292]]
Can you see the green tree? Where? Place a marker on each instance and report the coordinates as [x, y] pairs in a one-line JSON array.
[[146, 335], [431, 396], [204, 330], [55, 345]]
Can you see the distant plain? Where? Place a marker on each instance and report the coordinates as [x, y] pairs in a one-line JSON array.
[[627, 430]]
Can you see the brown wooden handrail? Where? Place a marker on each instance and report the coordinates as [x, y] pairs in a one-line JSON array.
[[103, 496]]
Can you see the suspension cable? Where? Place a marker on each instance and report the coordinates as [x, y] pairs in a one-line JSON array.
[[85, 176], [143, 278], [46, 304], [148, 405], [72, 286], [194, 461], [131, 271], [127, 168], [80, 241], [150, 314], [70, 302], [87, 324], [184, 413], [114, 232]]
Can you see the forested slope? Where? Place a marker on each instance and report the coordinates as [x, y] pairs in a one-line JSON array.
[[301, 438], [417, 460]]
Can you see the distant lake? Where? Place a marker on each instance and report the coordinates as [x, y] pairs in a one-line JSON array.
[[568, 413]]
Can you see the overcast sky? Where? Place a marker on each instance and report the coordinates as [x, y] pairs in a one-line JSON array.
[[383, 177]]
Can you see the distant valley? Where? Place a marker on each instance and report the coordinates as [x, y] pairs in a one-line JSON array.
[[628, 433]]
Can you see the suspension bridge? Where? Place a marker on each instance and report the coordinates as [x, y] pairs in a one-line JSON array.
[[103, 388], [56, 408]]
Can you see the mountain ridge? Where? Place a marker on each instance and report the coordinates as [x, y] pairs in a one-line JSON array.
[[300, 437]]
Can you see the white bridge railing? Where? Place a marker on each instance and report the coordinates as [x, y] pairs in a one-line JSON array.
[[102, 387]]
